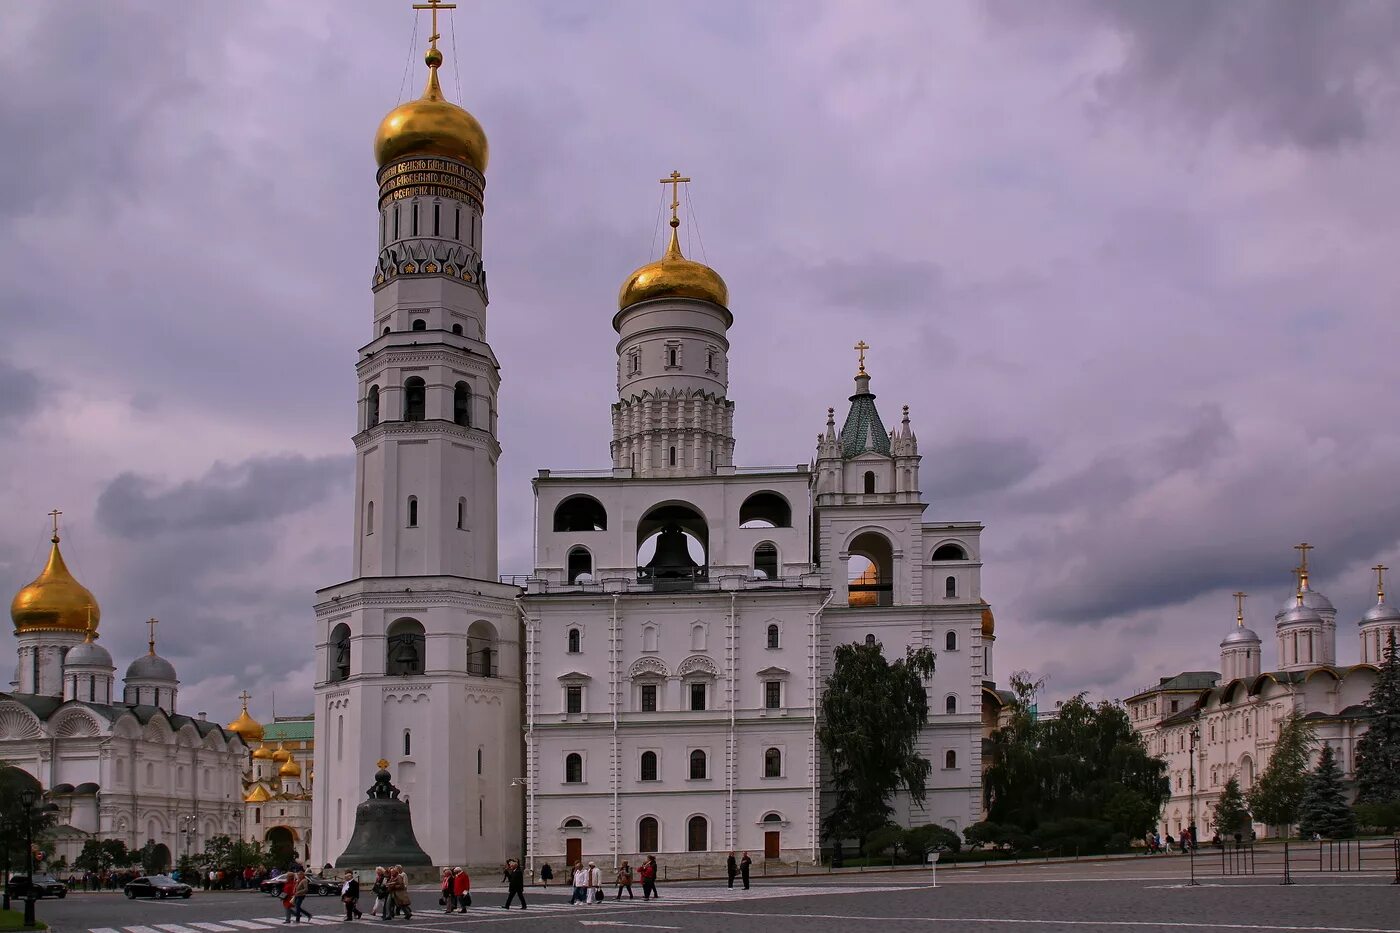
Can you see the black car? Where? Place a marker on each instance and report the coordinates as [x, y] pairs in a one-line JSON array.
[[44, 886], [157, 886], [314, 885]]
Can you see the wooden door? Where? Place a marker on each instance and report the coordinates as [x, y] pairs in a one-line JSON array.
[[772, 846], [573, 852]]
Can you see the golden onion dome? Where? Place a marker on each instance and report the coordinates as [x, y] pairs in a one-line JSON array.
[[431, 126], [989, 622], [281, 754], [290, 768], [674, 276], [262, 753], [54, 601], [246, 727]]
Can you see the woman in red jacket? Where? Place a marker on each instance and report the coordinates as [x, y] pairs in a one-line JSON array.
[[462, 888]]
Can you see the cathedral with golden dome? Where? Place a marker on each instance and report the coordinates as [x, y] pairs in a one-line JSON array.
[[652, 685], [119, 764]]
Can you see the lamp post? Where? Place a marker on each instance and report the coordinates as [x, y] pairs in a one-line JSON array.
[[187, 826], [26, 799], [1191, 819]]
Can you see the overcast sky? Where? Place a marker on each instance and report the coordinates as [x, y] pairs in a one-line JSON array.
[[1133, 266]]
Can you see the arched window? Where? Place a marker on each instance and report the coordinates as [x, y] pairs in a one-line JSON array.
[[372, 407], [697, 832], [950, 641], [772, 636], [950, 759], [870, 640], [481, 649], [765, 562], [772, 763], [420, 324], [574, 647], [673, 456], [580, 562], [869, 480], [413, 511], [340, 653], [386, 330], [462, 404], [697, 637], [648, 768], [697, 765], [415, 399], [950, 705], [765, 510], [870, 570], [404, 647], [649, 639], [580, 513], [461, 513], [573, 768], [648, 835], [950, 587], [150, 773], [949, 552], [407, 742], [457, 329], [369, 518]]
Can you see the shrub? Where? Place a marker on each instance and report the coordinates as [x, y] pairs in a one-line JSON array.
[[922, 840]]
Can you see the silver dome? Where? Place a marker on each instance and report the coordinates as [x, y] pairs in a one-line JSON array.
[[150, 667], [1240, 636], [88, 654], [1312, 599], [1300, 615], [1381, 612]]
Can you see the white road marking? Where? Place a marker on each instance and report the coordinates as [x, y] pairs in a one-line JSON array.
[[173, 928], [248, 924], [212, 927], [102, 930], [1169, 924], [139, 930], [623, 923]]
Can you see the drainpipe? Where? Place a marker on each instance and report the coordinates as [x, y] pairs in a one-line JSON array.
[[813, 655], [613, 653], [529, 739], [729, 762]]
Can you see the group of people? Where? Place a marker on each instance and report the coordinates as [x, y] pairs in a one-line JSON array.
[[587, 881], [739, 868], [390, 890], [295, 888], [456, 890], [1155, 844]]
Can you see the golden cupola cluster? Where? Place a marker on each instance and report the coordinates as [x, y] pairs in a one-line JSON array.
[[262, 753], [431, 125], [54, 601]]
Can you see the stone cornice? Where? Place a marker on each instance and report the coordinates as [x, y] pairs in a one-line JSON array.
[[350, 602], [417, 355], [435, 427]]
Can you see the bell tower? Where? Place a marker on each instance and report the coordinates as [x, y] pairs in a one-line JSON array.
[[421, 643]]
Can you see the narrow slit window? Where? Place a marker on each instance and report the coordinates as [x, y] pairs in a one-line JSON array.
[[437, 219], [413, 511], [415, 218], [457, 230], [396, 221]]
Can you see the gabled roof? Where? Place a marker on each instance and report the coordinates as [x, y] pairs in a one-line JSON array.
[[289, 730]]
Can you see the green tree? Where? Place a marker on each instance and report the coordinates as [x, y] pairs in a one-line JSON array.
[[1378, 751], [1276, 796], [1231, 812], [1323, 810], [921, 840], [872, 713], [1088, 763], [218, 852], [885, 840]]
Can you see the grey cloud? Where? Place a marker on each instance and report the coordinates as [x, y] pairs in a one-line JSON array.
[[19, 392], [876, 284], [1310, 75], [228, 495], [973, 466]]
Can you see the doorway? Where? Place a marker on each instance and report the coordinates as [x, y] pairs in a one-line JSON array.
[[573, 851], [772, 845]]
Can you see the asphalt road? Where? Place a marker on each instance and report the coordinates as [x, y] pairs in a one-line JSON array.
[[1088, 897]]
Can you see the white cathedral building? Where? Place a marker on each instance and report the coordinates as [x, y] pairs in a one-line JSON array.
[[652, 686], [1212, 726], [119, 765]]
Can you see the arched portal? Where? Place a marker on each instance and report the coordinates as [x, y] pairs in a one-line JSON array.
[[673, 541], [870, 571]]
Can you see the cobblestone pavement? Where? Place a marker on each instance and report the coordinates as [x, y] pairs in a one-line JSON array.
[[1085, 897]]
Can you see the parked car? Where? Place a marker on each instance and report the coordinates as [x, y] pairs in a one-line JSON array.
[[156, 886], [321, 887], [44, 886]]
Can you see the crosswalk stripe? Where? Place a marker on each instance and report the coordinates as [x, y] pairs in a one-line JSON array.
[[140, 930], [102, 930], [248, 924], [173, 928], [212, 927]]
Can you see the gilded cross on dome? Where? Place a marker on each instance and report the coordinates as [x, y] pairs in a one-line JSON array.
[[1380, 570], [152, 622], [675, 180], [1239, 608], [860, 348], [54, 515], [245, 696], [434, 5]]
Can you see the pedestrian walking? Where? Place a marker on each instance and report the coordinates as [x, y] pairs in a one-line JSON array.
[[379, 890], [350, 896], [289, 892], [546, 874], [745, 864], [731, 868], [303, 888], [595, 883], [462, 888], [515, 884], [624, 881], [447, 899], [580, 883], [648, 876], [398, 893]]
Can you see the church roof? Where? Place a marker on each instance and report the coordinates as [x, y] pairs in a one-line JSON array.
[[863, 431], [289, 730], [44, 707]]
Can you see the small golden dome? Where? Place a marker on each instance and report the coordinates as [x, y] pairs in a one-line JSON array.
[[262, 753], [431, 126], [54, 602], [281, 754], [290, 768], [674, 276], [246, 727], [989, 622]]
